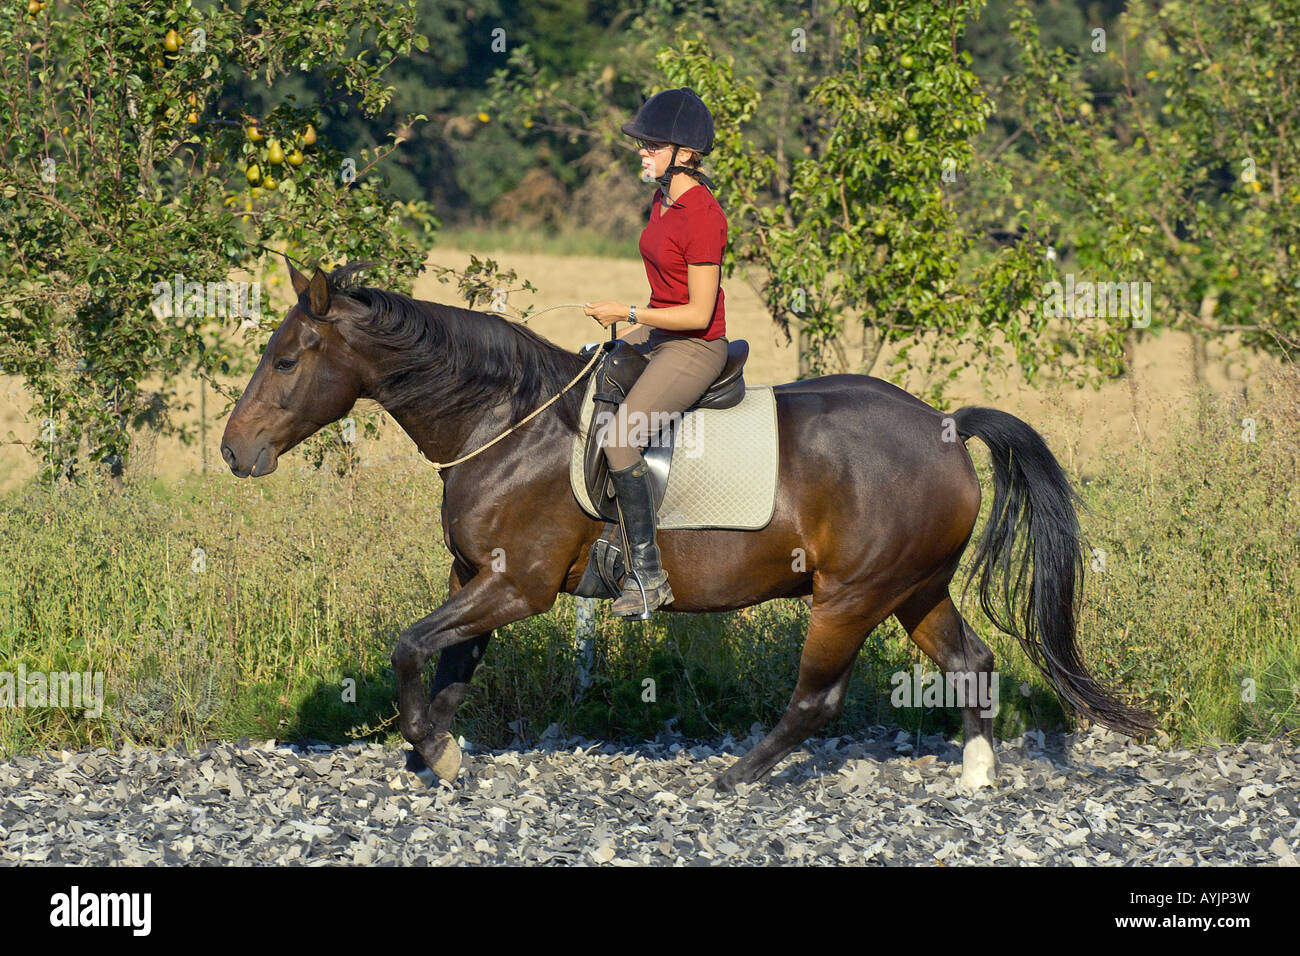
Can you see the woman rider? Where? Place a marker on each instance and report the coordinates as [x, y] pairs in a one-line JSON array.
[[681, 331]]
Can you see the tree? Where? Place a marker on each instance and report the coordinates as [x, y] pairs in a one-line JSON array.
[[1184, 176], [128, 194], [845, 135]]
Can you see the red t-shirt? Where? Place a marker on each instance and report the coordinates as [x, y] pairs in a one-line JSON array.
[[693, 231]]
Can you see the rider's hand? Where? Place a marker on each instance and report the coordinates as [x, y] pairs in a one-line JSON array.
[[606, 313]]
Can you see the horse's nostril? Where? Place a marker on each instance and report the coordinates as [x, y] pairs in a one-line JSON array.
[[228, 454]]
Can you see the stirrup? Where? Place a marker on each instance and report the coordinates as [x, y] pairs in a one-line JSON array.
[[643, 607]]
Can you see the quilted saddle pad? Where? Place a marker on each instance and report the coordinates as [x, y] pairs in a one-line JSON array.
[[724, 465]]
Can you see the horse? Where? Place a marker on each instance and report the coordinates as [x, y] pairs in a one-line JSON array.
[[876, 501]]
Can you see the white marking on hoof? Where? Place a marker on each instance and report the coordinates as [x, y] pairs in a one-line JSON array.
[[447, 766], [977, 765]]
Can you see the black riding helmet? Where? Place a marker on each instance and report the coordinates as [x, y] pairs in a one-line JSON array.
[[678, 117]]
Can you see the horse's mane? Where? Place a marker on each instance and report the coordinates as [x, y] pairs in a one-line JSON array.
[[456, 360]]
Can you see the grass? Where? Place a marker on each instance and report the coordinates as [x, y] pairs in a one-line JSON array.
[[1199, 601], [217, 608], [567, 242]]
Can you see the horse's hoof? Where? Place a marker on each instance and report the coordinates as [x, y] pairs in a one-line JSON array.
[[427, 777], [445, 762], [977, 765], [725, 783]]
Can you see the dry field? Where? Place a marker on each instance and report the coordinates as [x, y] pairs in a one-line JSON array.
[[1078, 423]]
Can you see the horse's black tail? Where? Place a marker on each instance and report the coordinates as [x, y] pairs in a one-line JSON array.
[[1033, 518]]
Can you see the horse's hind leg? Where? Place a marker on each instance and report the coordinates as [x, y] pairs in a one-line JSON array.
[[940, 631], [834, 637]]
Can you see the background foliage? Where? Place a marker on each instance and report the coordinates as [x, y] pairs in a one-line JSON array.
[[902, 180], [127, 160]]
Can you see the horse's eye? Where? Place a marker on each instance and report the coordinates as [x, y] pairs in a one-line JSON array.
[[284, 365]]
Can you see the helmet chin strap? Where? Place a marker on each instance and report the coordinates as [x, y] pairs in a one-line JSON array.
[[667, 177]]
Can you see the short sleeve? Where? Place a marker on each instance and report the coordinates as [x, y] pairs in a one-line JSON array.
[[705, 240]]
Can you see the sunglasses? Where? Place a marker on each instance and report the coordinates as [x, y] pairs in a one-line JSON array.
[[653, 147]]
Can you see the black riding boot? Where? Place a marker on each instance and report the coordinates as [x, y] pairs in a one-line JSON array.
[[635, 500]]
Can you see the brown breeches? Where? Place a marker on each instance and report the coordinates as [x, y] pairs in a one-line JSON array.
[[679, 372]]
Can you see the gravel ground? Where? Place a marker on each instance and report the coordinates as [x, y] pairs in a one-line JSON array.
[[1092, 798]]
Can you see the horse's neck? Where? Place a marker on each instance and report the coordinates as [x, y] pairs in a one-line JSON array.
[[444, 440]]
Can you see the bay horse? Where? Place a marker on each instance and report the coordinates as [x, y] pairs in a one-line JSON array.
[[876, 501]]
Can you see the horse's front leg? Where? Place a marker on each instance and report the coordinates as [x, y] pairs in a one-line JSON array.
[[451, 677], [491, 599]]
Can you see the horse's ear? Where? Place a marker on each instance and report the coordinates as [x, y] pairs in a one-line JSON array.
[[297, 278], [318, 295]]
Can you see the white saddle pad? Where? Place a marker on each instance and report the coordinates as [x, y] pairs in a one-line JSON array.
[[724, 466]]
